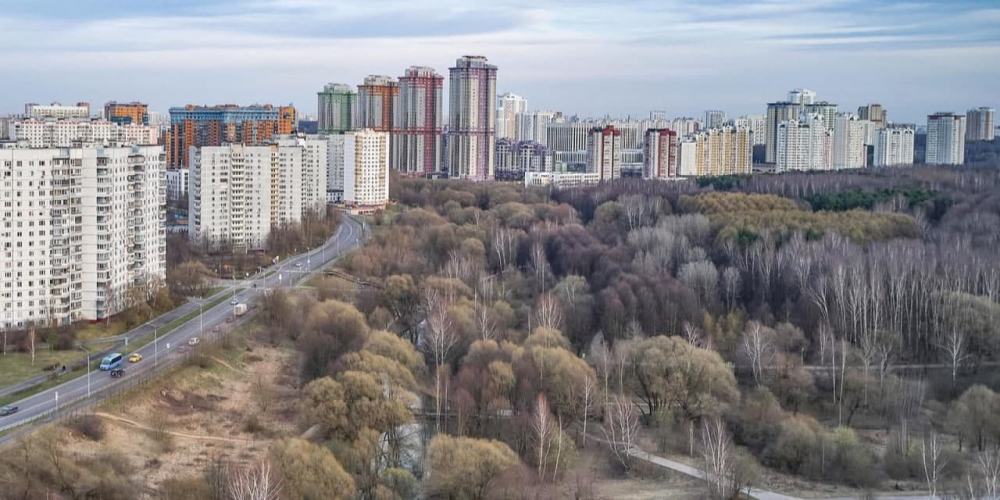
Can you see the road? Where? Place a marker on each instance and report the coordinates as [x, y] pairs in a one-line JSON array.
[[287, 273]]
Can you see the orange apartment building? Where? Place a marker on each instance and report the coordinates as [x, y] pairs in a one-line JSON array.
[[223, 124]]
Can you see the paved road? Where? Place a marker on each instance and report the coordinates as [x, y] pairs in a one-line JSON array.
[[290, 272]]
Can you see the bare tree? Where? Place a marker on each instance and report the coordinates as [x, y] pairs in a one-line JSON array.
[[254, 483], [541, 429], [954, 348], [587, 404], [989, 468], [731, 286], [484, 323], [548, 312], [933, 462], [622, 429], [438, 340], [539, 263], [504, 243], [693, 335], [757, 347], [724, 476]]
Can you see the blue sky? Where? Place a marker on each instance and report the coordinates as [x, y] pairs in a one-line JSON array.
[[582, 57]]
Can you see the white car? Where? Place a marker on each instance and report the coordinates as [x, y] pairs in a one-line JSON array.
[[233, 302], [298, 264], [193, 341]]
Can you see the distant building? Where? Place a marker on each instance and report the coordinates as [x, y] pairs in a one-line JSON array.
[[685, 126], [660, 154], [714, 118], [66, 133], [604, 152], [131, 113], [57, 111], [472, 118], [979, 125], [756, 123], [376, 103], [337, 108], [724, 150], [801, 96], [366, 168], [561, 180], [804, 145], [177, 183], [849, 149], [687, 157], [875, 114], [894, 147], [510, 110], [945, 139], [777, 113], [535, 124], [825, 109], [197, 126], [417, 138], [514, 159], [658, 114]]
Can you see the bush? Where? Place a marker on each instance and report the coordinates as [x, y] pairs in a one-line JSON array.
[[186, 488], [253, 424], [89, 426]]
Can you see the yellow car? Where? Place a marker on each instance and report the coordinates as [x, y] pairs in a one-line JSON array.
[[135, 358]]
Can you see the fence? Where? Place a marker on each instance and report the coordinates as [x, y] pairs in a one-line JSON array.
[[74, 407]]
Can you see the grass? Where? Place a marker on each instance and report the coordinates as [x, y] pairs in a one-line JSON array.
[[16, 367], [92, 331], [212, 291], [138, 343]]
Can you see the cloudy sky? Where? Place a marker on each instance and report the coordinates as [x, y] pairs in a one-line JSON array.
[[584, 57]]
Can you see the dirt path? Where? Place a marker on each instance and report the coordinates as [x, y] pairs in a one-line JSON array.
[[227, 365], [137, 425]]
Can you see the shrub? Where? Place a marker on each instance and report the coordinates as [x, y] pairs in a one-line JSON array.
[[89, 426]]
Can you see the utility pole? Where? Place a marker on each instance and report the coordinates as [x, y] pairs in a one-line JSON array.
[[88, 369]]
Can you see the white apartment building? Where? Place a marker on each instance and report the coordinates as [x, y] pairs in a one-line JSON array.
[[685, 126], [721, 151], [510, 110], [714, 118], [804, 145], [825, 109], [801, 96], [177, 183], [756, 124], [945, 139], [236, 193], [81, 227], [67, 133], [849, 149], [568, 140], [535, 125], [560, 180], [894, 147], [979, 124], [366, 168], [57, 111], [687, 157]]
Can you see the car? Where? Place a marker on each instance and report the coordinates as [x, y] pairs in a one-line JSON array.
[[193, 341], [135, 358], [298, 264], [234, 302], [117, 372], [8, 410]]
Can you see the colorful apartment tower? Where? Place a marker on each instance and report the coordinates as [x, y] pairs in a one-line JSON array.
[[197, 126], [418, 123], [376, 102], [472, 118], [126, 113], [337, 108]]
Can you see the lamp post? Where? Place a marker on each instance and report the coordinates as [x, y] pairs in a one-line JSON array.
[[88, 367], [156, 349]]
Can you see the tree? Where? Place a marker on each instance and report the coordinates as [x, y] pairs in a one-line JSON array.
[[670, 373], [933, 462], [462, 467], [727, 474], [621, 429], [954, 348], [976, 414], [548, 313], [311, 472], [757, 348], [589, 390], [438, 340], [323, 403], [542, 433], [254, 482]]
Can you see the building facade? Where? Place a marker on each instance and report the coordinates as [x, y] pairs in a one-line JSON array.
[[755, 123], [604, 152], [777, 113], [560, 180], [416, 143], [127, 113], [197, 126], [945, 139], [875, 114], [510, 110], [660, 154], [535, 125], [472, 118], [67, 133], [337, 108], [366, 168], [81, 228], [979, 125], [825, 109], [724, 150], [804, 145], [714, 118], [894, 147], [801, 96], [376, 103], [849, 141], [177, 183], [57, 111]]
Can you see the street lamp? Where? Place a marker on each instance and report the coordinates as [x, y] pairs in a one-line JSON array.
[[88, 367], [156, 349]]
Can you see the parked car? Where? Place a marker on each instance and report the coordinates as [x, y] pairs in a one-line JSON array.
[[8, 410], [193, 341], [135, 358], [117, 372], [234, 302]]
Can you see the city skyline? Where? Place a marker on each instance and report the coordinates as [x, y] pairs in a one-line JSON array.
[[544, 52]]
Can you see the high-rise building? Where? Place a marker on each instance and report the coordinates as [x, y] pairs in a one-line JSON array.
[[658, 114], [472, 117], [238, 193], [979, 125], [568, 140], [416, 143], [504, 169], [687, 156], [945, 139], [714, 118], [66, 133], [724, 150], [510, 109], [534, 125], [804, 145], [685, 126], [127, 113], [57, 111], [196, 126], [531, 156], [337, 109], [366, 168], [756, 124], [177, 183], [825, 109], [849, 149], [894, 147], [604, 152], [873, 113], [82, 226], [376, 100], [801, 96], [777, 113], [660, 154]]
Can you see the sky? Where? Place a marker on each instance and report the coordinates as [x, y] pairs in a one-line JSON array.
[[583, 57]]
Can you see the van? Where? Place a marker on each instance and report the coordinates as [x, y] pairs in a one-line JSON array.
[[111, 361]]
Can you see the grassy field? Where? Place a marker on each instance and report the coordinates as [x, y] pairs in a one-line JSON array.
[[16, 366]]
